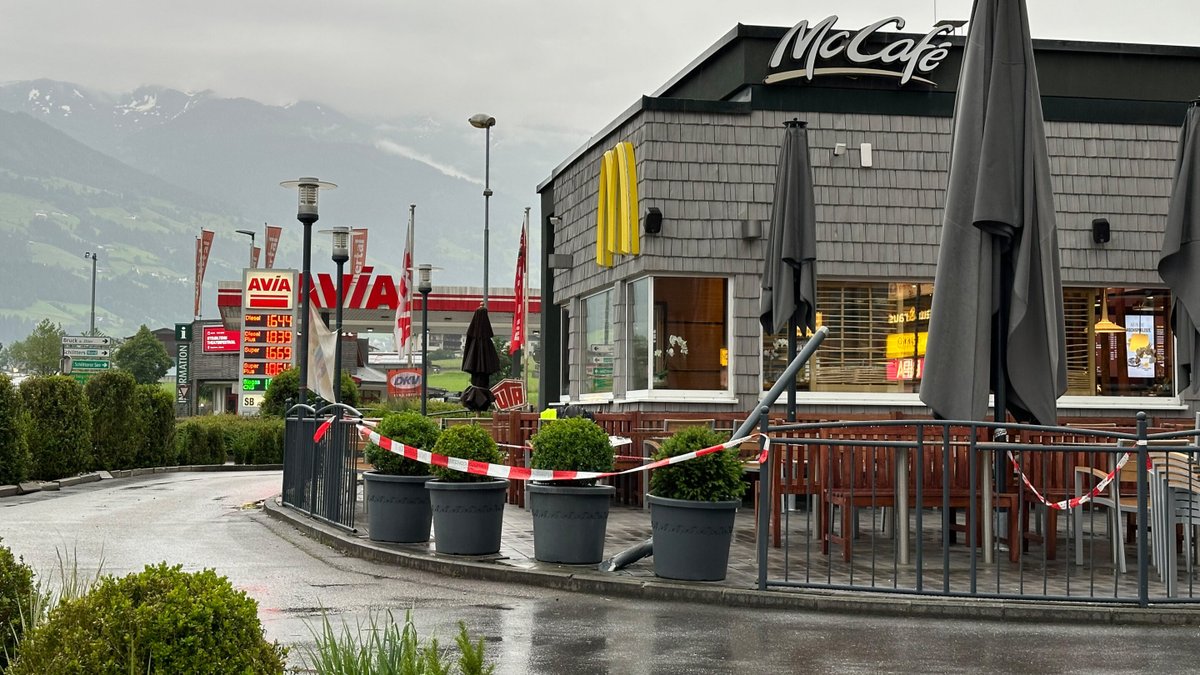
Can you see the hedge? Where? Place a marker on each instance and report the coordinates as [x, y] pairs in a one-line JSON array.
[[14, 431], [157, 446], [60, 428], [213, 439], [117, 427]]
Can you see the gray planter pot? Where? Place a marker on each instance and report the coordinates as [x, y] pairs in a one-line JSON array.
[[569, 522], [397, 508], [468, 518], [691, 539]]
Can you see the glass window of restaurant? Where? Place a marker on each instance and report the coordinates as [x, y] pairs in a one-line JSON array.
[[599, 338], [678, 334], [878, 332]]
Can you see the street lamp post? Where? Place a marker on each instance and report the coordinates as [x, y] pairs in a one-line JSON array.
[[94, 257], [306, 213], [424, 286], [485, 122], [341, 253], [249, 233]]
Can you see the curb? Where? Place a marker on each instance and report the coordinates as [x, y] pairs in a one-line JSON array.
[[54, 485], [860, 603]]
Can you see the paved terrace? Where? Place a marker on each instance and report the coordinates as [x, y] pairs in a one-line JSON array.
[[800, 560]]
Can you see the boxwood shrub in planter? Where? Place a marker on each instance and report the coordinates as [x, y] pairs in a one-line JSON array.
[[570, 517], [468, 510], [692, 507], [397, 502]]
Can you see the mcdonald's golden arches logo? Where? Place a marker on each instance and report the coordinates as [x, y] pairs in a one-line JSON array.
[[617, 211]]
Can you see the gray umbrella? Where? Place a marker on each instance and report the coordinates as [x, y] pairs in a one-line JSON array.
[[1179, 263], [789, 283], [997, 303]]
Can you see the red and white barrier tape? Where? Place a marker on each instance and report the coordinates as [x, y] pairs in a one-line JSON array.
[[524, 473], [1073, 502]]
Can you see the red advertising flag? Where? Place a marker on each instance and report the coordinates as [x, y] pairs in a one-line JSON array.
[[273, 232], [402, 328], [203, 247], [358, 250], [517, 339], [254, 253]]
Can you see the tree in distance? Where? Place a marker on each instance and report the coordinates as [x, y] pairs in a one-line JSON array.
[[39, 353], [144, 357]]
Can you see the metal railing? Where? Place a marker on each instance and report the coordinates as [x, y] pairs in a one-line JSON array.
[[910, 506], [320, 478]]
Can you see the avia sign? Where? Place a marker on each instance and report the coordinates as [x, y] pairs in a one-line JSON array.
[[268, 289], [807, 51], [363, 291]]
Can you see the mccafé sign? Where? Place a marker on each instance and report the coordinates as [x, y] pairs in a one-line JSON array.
[[811, 51]]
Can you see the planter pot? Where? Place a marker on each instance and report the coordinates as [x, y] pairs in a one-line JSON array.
[[467, 517], [691, 539], [569, 522], [397, 508]]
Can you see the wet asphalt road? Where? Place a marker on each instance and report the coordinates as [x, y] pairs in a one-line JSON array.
[[210, 520]]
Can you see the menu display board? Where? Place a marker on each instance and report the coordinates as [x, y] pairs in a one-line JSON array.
[[268, 332]]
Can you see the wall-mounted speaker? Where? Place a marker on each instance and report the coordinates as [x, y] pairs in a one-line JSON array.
[[652, 223], [1101, 232]]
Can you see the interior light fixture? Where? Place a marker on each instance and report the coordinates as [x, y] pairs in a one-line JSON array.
[[1104, 325]]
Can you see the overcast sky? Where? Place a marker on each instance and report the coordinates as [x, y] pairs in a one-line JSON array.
[[557, 70]]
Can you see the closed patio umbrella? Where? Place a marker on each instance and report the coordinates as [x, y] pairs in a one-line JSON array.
[[789, 282], [480, 360], [997, 316], [1179, 262]]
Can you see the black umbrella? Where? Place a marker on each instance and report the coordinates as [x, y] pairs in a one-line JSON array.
[[480, 360], [997, 303], [789, 283], [1179, 262]]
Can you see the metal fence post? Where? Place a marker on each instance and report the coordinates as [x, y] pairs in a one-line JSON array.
[[765, 506], [1142, 478]]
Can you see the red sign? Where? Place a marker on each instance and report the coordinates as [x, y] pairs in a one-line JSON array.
[[404, 382], [509, 394], [203, 247], [219, 339], [273, 232], [358, 250], [267, 289], [902, 369]]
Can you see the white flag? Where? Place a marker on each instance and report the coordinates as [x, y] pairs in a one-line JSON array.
[[322, 347], [402, 329]]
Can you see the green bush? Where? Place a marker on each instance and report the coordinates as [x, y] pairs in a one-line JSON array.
[[284, 387], [14, 430], [157, 416], [408, 428], [715, 477], [16, 593], [200, 440], [413, 403], [162, 620], [571, 444], [470, 442], [116, 432], [60, 427]]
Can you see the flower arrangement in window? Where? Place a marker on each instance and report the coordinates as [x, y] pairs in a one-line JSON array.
[[675, 348]]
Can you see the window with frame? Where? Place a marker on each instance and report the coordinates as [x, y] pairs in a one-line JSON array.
[[679, 329], [878, 332], [599, 343]]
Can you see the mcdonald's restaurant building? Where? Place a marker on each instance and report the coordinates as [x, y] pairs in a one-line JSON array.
[[654, 232]]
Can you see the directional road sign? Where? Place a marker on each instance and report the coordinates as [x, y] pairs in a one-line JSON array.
[[86, 340], [89, 364], [86, 352]]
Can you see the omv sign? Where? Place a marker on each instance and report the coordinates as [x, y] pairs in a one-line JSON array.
[[808, 51], [404, 382]]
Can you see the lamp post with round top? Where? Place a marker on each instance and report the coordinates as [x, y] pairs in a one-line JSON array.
[[306, 213], [424, 286], [485, 122], [341, 253]]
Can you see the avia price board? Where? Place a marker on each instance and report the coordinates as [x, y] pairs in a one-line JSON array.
[[268, 335]]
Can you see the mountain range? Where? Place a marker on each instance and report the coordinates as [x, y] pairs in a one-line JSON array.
[[135, 176]]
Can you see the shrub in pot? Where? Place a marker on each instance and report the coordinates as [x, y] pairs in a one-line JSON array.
[[570, 517], [692, 507], [468, 510], [397, 502]]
